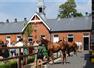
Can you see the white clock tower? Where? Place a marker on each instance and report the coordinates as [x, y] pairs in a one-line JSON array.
[[40, 7]]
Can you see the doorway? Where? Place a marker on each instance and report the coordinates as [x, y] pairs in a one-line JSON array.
[[86, 43]]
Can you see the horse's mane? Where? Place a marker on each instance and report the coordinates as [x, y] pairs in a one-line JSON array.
[[47, 41]]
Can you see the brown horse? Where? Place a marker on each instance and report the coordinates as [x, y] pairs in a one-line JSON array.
[[72, 47], [64, 46], [55, 47]]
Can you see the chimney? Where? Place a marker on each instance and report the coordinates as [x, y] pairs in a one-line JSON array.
[[15, 20], [7, 21], [25, 19]]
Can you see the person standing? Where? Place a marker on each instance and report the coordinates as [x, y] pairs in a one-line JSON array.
[[18, 53], [19, 44], [5, 51]]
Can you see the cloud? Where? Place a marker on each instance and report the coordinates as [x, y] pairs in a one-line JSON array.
[[84, 6], [32, 0], [17, 1], [55, 0], [16, 10], [9, 9]]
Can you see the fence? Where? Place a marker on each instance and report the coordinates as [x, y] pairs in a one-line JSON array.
[[22, 56]]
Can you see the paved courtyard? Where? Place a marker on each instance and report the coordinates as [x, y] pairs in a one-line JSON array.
[[79, 61]]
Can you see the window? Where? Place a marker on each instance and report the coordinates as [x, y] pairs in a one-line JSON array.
[[7, 36], [55, 35], [42, 36], [18, 37], [55, 38], [86, 34], [30, 38], [40, 10], [70, 37]]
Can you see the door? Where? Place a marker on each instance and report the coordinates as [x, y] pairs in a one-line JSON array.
[[86, 43]]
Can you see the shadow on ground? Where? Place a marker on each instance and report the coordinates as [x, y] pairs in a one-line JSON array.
[[59, 62], [88, 63]]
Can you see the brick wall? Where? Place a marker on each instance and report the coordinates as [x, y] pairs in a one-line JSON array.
[[13, 37]]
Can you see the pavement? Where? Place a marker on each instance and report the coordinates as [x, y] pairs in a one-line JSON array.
[[79, 61]]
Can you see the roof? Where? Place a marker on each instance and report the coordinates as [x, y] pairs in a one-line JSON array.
[[70, 24], [65, 24], [12, 27], [43, 18]]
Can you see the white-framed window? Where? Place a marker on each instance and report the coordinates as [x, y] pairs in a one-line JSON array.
[[70, 37], [55, 38], [18, 37], [42, 36], [8, 38], [30, 38]]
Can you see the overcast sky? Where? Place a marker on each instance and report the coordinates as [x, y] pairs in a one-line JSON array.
[[10, 9]]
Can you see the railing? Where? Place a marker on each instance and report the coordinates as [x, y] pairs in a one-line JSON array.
[[17, 57], [22, 56]]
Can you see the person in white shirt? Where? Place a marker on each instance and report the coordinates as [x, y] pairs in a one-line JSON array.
[[19, 44]]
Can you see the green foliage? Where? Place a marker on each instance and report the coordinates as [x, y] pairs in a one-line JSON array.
[[68, 10], [42, 50], [28, 30], [92, 60], [13, 63], [30, 60], [91, 52], [8, 64]]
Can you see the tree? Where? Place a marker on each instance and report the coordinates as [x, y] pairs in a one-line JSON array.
[[68, 9], [28, 30]]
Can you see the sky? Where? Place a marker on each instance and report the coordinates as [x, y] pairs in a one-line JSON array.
[[20, 9]]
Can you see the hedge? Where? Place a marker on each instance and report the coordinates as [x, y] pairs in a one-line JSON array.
[[8, 64], [91, 52], [30, 60], [13, 63], [92, 60]]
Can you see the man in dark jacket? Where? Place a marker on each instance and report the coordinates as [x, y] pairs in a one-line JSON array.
[[5, 51]]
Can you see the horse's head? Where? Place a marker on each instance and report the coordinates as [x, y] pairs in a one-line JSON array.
[[60, 42], [45, 41]]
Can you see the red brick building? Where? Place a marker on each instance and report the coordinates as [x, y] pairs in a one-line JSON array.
[[12, 31], [77, 29], [72, 29]]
